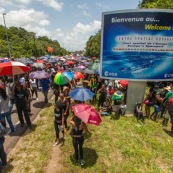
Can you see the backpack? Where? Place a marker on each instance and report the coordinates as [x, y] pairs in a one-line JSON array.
[[2, 130], [117, 101]]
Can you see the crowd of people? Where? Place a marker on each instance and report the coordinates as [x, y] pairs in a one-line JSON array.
[[21, 90]]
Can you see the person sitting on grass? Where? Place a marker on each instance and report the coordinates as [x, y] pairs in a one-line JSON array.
[[123, 108], [78, 139], [140, 114], [107, 108], [58, 121]]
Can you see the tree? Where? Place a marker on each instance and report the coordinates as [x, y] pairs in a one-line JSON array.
[[160, 4], [93, 45]]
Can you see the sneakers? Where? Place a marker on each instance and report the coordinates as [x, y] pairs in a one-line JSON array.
[[82, 162], [36, 98], [56, 143]]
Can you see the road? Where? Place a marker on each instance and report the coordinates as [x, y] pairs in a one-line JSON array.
[[36, 107]]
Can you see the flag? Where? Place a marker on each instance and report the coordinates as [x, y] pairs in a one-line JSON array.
[[49, 49]]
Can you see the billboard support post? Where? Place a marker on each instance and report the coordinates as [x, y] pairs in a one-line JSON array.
[[135, 93]]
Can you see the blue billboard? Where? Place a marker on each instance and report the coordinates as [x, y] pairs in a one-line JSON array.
[[137, 45]]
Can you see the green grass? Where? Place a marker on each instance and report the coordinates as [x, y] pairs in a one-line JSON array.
[[116, 146], [123, 146]]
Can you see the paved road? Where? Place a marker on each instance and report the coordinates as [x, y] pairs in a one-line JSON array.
[[36, 106]]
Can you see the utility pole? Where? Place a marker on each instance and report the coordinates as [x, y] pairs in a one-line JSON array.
[[7, 36]]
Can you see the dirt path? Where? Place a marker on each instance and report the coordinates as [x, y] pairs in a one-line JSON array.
[[54, 163]]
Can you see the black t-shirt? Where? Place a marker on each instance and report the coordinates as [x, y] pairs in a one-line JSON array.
[[103, 93], [58, 114], [20, 97]]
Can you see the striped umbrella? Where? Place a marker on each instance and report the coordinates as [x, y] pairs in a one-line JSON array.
[[13, 68]]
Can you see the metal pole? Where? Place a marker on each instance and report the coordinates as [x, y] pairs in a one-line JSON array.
[[7, 36]]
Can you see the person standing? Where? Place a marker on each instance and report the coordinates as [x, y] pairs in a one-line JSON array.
[[5, 109], [9, 90], [58, 121], [102, 97], [45, 88], [34, 88], [78, 139], [21, 96]]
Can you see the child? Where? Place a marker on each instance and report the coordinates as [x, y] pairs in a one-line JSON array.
[[123, 108], [140, 114], [107, 108]]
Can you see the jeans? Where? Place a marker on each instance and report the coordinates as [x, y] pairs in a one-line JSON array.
[[45, 92], [78, 143], [11, 104], [3, 155], [156, 109], [34, 90], [7, 115]]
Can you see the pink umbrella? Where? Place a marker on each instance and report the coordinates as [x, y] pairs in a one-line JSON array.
[[81, 66], [87, 114], [13, 68]]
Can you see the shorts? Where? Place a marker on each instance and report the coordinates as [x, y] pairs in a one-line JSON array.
[[167, 116], [156, 109]]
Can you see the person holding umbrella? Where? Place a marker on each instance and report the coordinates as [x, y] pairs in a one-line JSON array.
[[59, 120], [78, 139]]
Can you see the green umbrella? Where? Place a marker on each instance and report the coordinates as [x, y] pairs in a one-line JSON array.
[[61, 79]]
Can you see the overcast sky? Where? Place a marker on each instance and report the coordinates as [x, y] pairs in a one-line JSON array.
[[70, 22]]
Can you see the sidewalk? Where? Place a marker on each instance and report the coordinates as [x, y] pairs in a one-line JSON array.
[[36, 107]]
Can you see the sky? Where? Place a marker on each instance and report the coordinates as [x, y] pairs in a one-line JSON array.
[[70, 22]]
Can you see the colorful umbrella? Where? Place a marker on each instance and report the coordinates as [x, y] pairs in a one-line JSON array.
[[81, 67], [117, 95], [87, 114], [68, 74], [40, 61], [78, 75], [61, 79], [124, 83], [81, 94], [13, 68], [39, 75]]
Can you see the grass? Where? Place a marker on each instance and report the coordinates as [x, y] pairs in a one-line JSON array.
[[115, 146]]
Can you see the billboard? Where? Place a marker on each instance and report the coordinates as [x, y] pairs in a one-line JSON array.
[[137, 45]]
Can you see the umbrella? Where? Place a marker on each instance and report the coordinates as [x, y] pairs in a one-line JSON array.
[[39, 75], [69, 63], [88, 71], [87, 114], [13, 68], [40, 61], [81, 94], [38, 65], [61, 79], [124, 83], [117, 95], [81, 67], [78, 75], [68, 74]]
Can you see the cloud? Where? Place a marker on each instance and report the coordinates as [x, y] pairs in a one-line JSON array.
[[53, 4], [98, 4], [85, 13], [83, 6], [30, 19], [24, 1], [2, 10], [74, 40]]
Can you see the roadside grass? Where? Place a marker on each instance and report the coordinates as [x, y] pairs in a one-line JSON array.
[[33, 151], [115, 146], [122, 146]]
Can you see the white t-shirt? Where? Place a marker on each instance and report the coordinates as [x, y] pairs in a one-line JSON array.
[[33, 82]]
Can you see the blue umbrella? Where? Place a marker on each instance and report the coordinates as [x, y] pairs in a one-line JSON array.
[[68, 74], [81, 94]]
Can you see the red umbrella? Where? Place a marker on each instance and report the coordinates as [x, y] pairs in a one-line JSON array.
[[87, 114], [78, 75], [13, 68], [124, 83], [69, 63], [40, 61]]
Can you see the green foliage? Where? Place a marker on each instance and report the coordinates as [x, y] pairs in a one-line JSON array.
[[160, 4], [26, 44], [93, 45]]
